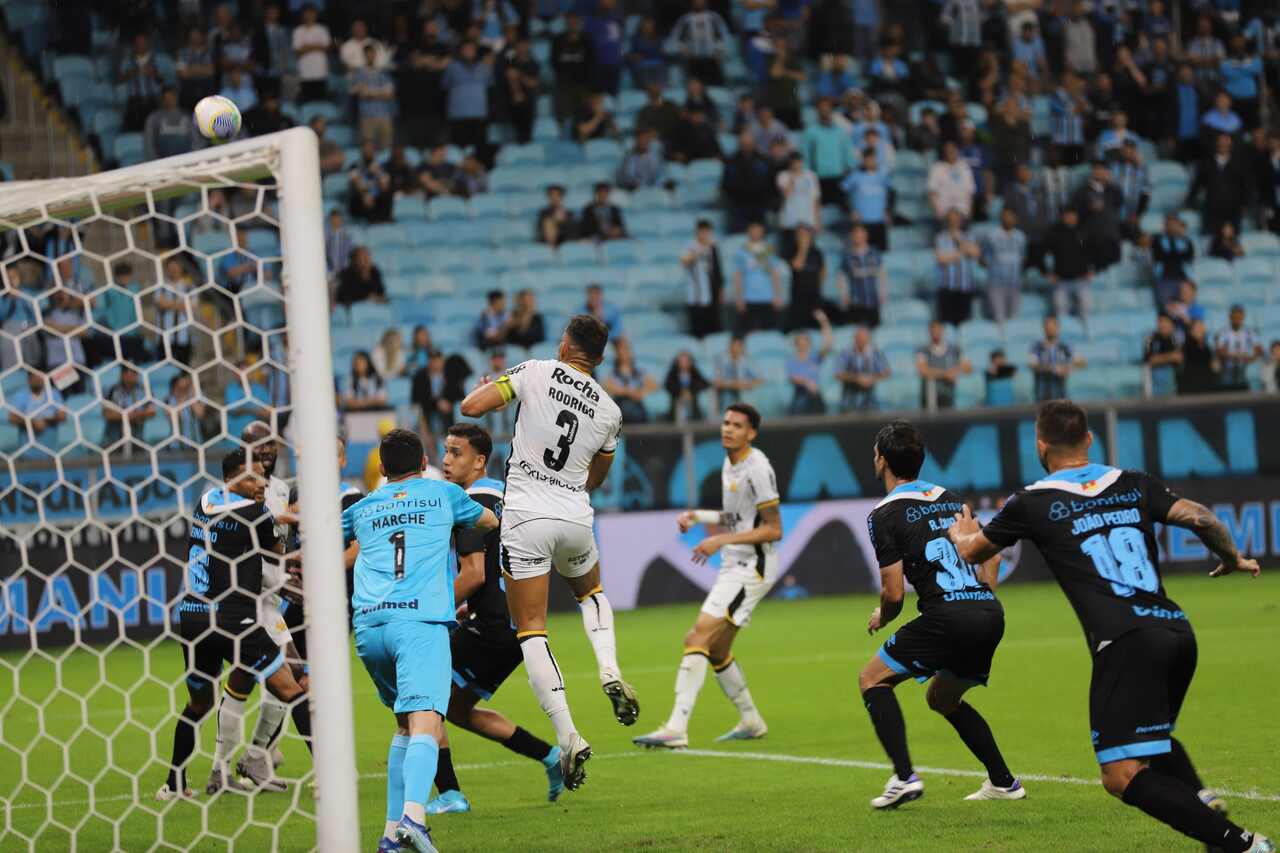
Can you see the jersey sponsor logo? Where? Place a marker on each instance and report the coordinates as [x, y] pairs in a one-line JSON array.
[[578, 559], [1093, 521], [1060, 510], [411, 604], [980, 595], [581, 384], [916, 513], [549, 479], [1159, 613], [1158, 727], [406, 505]]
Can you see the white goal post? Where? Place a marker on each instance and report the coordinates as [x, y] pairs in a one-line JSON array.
[[146, 191]]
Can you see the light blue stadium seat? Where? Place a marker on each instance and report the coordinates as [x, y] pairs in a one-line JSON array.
[[649, 198], [1105, 301], [73, 65], [651, 327], [1208, 272], [335, 186], [769, 344], [698, 194], [398, 389], [211, 242], [1101, 351], [447, 208], [488, 206], [128, 148], [977, 332], [531, 256], [410, 208], [1216, 296], [331, 111], [602, 151], [580, 253], [705, 170], [1168, 172], [1260, 244], [518, 155], [1258, 273]]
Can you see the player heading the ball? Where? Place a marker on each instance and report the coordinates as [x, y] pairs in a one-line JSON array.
[[566, 432]]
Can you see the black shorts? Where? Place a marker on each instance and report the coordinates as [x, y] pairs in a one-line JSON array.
[[959, 643], [484, 652], [1139, 682], [209, 640]]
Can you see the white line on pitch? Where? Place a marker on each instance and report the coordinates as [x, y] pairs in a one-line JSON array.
[[742, 756]]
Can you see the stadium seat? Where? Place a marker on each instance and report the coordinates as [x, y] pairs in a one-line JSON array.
[[448, 208], [1208, 272], [602, 151], [408, 208], [1260, 244], [128, 148], [580, 253], [331, 111]]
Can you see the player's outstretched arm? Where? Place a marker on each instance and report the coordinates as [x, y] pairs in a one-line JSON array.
[[1200, 520], [972, 545], [689, 519], [488, 397], [470, 575]]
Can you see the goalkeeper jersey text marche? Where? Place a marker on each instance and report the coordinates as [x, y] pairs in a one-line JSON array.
[[404, 530], [564, 419]]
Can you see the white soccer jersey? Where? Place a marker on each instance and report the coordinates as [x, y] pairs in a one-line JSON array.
[[277, 501], [749, 486], [564, 419]]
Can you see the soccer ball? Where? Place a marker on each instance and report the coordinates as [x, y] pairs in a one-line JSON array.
[[217, 118]]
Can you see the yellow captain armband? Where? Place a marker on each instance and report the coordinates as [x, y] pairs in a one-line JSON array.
[[768, 504], [504, 388]]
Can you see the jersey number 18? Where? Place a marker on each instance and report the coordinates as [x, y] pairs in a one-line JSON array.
[[1120, 556]]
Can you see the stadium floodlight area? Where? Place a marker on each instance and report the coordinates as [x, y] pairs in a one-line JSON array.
[[95, 508]]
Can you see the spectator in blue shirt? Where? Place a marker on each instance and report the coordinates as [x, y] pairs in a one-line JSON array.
[[1184, 110], [375, 95], [1222, 118], [1241, 77], [868, 192], [757, 285], [956, 253], [646, 56], [605, 312], [37, 408], [491, 327], [606, 29], [466, 81], [828, 152], [1028, 49], [238, 86], [859, 370], [836, 80], [804, 370], [116, 309], [628, 383], [1004, 254], [866, 29]]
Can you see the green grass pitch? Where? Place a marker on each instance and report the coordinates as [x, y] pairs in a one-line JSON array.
[[804, 787]]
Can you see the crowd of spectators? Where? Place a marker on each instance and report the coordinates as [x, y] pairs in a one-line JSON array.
[[435, 90]]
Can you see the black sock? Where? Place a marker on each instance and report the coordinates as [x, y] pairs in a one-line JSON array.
[[1176, 804], [446, 779], [302, 719], [184, 743], [976, 734], [1177, 763], [886, 718], [523, 743], [275, 736]]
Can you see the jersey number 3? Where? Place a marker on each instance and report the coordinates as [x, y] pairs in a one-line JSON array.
[[555, 460], [956, 574]]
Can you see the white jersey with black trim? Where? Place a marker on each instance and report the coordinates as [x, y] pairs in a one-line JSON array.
[[564, 418], [749, 486], [277, 501]]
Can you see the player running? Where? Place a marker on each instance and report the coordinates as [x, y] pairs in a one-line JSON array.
[[951, 643], [1095, 527], [566, 433], [403, 611], [232, 537], [484, 647], [748, 570]]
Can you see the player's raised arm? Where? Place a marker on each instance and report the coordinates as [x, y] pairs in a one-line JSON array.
[[1200, 520], [488, 397], [971, 542]]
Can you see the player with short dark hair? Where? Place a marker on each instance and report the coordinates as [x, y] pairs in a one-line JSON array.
[[232, 535], [953, 640], [404, 608], [566, 434], [749, 567], [1095, 527], [484, 646]]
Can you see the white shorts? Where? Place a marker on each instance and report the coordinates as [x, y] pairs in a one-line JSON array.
[[739, 588], [531, 546], [272, 620]]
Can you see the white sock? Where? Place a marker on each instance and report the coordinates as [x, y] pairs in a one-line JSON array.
[[689, 678], [270, 717], [416, 812], [230, 729], [547, 684], [597, 619], [734, 685]]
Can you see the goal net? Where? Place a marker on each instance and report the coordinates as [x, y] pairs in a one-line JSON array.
[[146, 316]]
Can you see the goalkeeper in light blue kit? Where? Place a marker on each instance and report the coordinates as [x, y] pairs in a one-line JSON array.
[[404, 608]]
